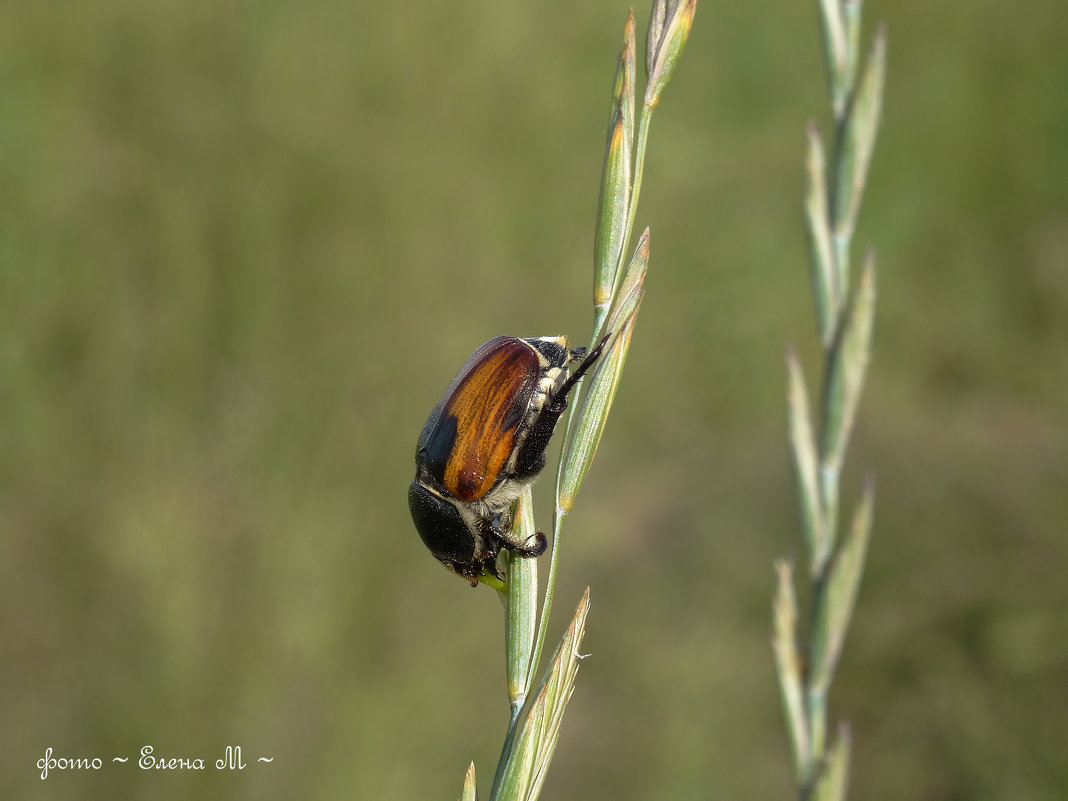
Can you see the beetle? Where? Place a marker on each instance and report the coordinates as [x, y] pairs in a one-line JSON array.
[[484, 441]]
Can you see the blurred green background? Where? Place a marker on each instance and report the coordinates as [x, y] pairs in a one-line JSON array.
[[245, 245]]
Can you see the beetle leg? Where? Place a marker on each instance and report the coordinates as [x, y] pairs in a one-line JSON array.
[[559, 401], [531, 457], [491, 546], [522, 469], [524, 548], [541, 542]]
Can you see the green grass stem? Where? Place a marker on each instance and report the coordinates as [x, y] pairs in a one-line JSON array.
[[618, 287], [806, 660]]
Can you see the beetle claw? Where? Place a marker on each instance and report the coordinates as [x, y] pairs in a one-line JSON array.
[[490, 566], [540, 545]]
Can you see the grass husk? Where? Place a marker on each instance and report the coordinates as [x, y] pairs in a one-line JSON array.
[[806, 656]]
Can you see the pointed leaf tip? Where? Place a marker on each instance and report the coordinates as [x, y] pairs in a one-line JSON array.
[[657, 18], [835, 608], [806, 464], [862, 127], [833, 781], [788, 663], [469, 792], [826, 289], [664, 54], [613, 210], [848, 357]]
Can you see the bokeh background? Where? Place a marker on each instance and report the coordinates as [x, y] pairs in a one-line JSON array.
[[245, 245]]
